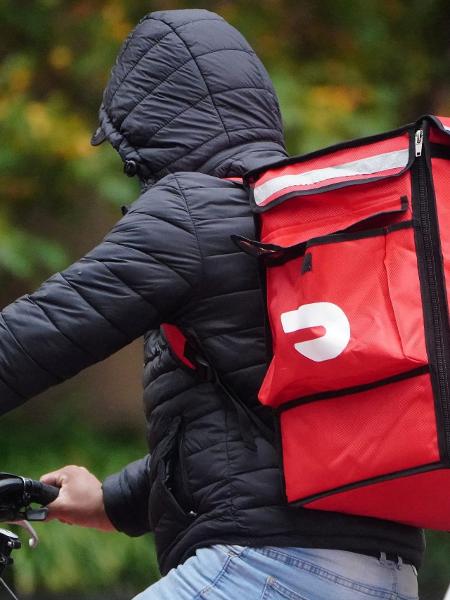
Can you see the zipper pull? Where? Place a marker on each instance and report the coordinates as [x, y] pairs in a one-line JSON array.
[[419, 142]]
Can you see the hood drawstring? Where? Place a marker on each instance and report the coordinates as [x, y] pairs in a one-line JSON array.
[[130, 168]]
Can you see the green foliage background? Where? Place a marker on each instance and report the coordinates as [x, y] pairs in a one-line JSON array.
[[342, 68], [71, 559]]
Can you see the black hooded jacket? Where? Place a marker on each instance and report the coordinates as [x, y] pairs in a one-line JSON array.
[[188, 105]]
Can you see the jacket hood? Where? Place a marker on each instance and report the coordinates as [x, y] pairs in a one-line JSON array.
[[188, 93]]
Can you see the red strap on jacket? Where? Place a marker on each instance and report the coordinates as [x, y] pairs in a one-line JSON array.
[[177, 343]]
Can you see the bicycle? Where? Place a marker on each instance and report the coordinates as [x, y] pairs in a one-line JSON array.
[[17, 494]]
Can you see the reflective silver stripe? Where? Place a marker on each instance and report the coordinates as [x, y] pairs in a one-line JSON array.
[[446, 127], [365, 166]]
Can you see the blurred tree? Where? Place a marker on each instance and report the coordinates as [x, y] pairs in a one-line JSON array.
[[342, 69]]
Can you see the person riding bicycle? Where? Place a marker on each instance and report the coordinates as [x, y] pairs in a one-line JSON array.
[[189, 107]]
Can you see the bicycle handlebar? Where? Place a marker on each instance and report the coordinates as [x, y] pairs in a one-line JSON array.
[[42, 493], [17, 493]]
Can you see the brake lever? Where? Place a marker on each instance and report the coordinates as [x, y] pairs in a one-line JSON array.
[[30, 514], [33, 540]]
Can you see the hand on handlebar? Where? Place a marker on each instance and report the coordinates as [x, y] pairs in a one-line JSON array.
[[80, 500]]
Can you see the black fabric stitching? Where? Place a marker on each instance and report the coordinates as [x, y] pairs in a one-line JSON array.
[[12, 334], [255, 469], [230, 489], [93, 307], [118, 505], [191, 22], [194, 105], [181, 156], [256, 129], [124, 480], [237, 441], [203, 77], [230, 332], [224, 50], [85, 351], [151, 17], [174, 118], [9, 386], [150, 92], [202, 258], [152, 256], [162, 172], [146, 51], [217, 482], [221, 183], [13, 390], [123, 138], [232, 156], [224, 218], [234, 371], [173, 396], [158, 218], [251, 142], [193, 287], [209, 95], [173, 72], [232, 293], [225, 254], [125, 283], [210, 446], [157, 173]]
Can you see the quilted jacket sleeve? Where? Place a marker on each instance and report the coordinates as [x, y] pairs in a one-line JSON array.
[[126, 498], [138, 277]]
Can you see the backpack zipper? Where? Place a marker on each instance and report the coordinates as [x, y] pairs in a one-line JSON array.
[[418, 142], [438, 340]]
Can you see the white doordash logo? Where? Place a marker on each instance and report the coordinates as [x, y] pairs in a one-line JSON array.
[[320, 314]]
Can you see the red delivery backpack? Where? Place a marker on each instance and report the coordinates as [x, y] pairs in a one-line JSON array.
[[355, 242]]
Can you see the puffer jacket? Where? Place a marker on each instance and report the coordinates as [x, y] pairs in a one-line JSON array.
[[188, 105]]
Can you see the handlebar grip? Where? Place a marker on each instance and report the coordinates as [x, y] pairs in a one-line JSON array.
[[42, 493]]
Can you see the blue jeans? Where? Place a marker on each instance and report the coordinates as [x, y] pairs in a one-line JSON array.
[[241, 573]]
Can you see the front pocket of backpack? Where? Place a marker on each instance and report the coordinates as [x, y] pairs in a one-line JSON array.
[[358, 438], [347, 313]]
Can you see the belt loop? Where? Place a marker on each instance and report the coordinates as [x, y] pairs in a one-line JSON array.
[[399, 563], [383, 558]]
